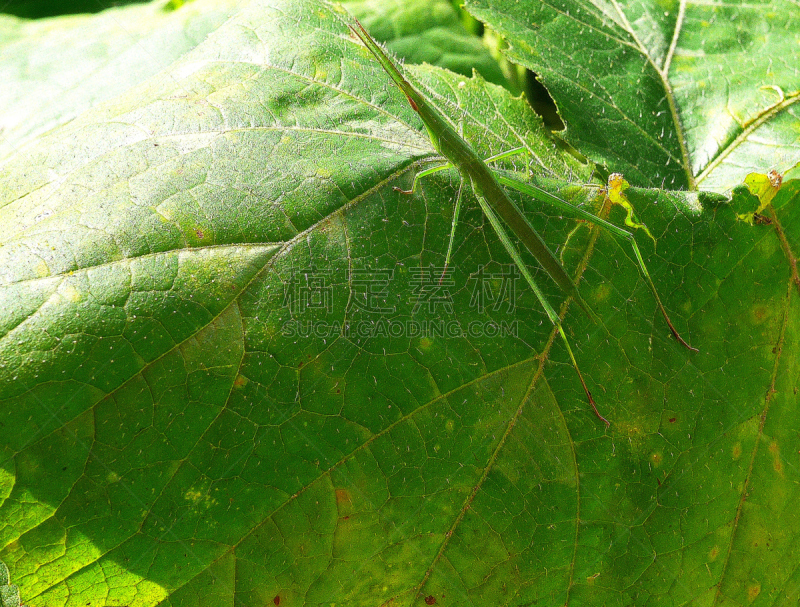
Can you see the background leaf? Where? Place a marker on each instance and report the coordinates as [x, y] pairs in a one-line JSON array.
[[203, 403], [668, 93], [427, 32]]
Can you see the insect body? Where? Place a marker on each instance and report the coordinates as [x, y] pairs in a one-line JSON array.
[[496, 204]]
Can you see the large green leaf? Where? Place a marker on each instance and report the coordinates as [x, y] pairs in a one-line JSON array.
[[667, 92], [54, 69], [212, 392]]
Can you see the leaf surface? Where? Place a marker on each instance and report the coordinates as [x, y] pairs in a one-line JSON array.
[[52, 70], [671, 94], [229, 374]]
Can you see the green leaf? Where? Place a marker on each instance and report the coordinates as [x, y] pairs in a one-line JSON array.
[[212, 392], [9, 593], [52, 71], [667, 93], [425, 31]]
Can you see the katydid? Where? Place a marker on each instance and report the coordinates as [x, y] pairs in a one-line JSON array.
[[496, 205]]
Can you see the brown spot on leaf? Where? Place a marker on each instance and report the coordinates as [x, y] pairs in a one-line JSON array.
[[777, 464], [277, 599], [343, 496], [430, 600]]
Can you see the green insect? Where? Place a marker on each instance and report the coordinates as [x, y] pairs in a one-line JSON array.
[[496, 205]]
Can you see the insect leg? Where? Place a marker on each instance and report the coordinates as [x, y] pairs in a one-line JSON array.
[[548, 198], [551, 313], [422, 174]]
